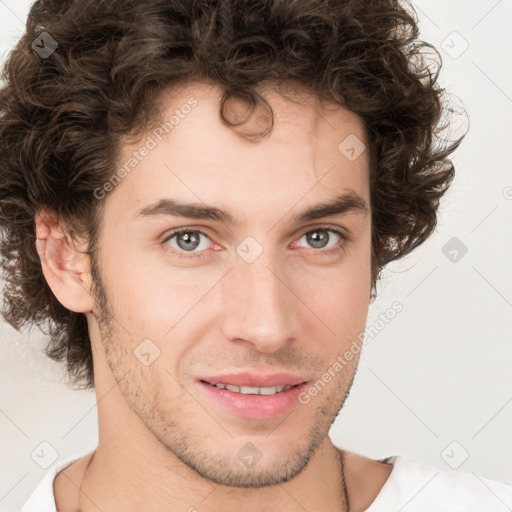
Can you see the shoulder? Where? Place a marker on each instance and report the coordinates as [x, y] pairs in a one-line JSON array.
[[422, 487]]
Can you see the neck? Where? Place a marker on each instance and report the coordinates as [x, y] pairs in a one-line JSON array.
[[130, 480]]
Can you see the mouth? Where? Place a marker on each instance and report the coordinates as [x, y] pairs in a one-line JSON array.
[[253, 402]]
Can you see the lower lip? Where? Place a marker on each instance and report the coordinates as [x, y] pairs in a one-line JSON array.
[[257, 407]]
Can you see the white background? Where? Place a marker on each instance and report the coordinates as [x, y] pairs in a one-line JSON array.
[[439, 372]]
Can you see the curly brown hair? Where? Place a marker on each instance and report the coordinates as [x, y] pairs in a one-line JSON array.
[[62, 116]]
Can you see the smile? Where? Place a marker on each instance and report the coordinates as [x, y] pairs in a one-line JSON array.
[[249, 390]]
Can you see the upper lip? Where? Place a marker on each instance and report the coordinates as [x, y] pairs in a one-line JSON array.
[[255, 380]]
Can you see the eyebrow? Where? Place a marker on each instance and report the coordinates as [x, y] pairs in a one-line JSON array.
[[348, 202]]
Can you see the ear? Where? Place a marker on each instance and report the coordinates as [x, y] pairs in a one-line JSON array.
[[65, 267]]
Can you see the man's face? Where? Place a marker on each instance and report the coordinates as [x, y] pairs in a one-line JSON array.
[[268, 294]]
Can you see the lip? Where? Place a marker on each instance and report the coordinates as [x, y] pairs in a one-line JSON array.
[[256, 407], [255, 380]]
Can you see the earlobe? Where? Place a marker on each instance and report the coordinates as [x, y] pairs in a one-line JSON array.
[[65, 267]]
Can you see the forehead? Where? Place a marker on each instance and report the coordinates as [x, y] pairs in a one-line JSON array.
[[298, 114], [193, 154]]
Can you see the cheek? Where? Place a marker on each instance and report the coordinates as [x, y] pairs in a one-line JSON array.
[[151, 301], [342, 305], [340, 296]]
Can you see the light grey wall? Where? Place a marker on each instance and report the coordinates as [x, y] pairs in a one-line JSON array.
[[434, 383]]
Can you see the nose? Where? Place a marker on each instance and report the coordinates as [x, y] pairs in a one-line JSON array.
[[260, 307]]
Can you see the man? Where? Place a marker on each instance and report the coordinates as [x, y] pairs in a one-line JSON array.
[[199, 197]]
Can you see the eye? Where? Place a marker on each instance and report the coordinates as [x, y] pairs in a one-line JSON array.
[[188, 240], [322, 239], [196, 242]]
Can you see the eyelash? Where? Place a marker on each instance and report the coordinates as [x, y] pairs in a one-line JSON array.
[[328, 252]]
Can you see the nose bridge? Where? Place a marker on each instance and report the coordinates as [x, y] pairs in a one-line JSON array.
[[259, 307]]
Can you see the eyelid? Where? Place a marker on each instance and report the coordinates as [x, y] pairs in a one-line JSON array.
[[306, 229], [334, 227]]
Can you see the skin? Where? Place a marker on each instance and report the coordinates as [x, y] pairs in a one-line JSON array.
[[163, 444]]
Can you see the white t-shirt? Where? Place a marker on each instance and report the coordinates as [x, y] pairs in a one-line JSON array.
[[410, 487]]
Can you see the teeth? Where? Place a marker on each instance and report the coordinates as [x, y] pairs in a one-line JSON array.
[[247, 390]]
